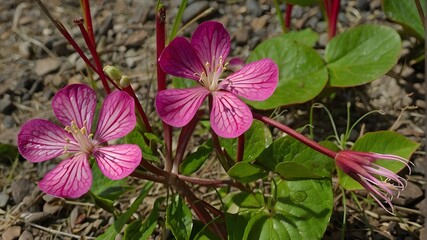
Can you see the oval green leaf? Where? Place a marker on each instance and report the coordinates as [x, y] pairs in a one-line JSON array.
[[179, 219], [246, 172], [301, 210], [361, 54], [302, 72], [257, 138], [385, 142], [406, 14]]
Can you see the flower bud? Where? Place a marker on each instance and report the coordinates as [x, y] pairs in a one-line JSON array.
[[114, 73], [124, 81]]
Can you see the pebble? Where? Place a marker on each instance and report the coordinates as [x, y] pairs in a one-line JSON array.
[[8, 122], [20, 189], [47, 65], [25, 50], [26, 235], [6, 104], [11, 233], [4, 198], [253, 7], [194, 9], [241, 35], [136, 39], [411, 193]]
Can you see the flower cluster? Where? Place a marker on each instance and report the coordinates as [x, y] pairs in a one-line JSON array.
[[74, 106], [203, 59]]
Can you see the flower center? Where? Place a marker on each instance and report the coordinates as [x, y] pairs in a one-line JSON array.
[[211, 76], [83, 139]]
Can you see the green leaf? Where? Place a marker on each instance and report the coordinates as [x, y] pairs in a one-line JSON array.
[[242, 201], [302, 72], [201, 231], [136, 137], [8, 153], [246, 172], [294, 160], [195, 160], [361, 54], [306, 36], [179, 218], [106, 188], [114, 229], [406, 14], [183, 82], [139, 230], [300, 210], [385, 142], [256, 139]]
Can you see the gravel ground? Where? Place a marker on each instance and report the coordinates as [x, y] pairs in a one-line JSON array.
[[36, 61]]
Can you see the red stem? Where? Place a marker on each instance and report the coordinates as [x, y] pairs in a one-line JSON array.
[[183, 140], [288, 15], [141, 112], [298, 136], [240, 147], [332, 11], [161, 80], [88, 21], [94, 53], [212, 182]]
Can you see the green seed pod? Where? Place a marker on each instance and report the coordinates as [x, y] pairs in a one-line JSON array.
[[124, 81]]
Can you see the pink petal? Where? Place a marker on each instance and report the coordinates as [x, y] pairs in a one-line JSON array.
[[40, 140], [75, 102], [179, 59], [118, 161], [230, 116], [255, 81], [177, 107], [71, 178], [211, 42], [117, 117]]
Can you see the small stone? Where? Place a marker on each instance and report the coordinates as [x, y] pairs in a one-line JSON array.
[[8, 122], [259, 23], [4, 198], [136, 39], [194, 9], [253, 7], [37, 217], [5, 104], [242, 35], [420, 103], [25, 50], [26, 235], [411, 193], [11, 233], [20, 189], [47, 65]]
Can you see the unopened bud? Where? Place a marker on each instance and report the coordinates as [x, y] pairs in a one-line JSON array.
[[124, 81], [114, 73]]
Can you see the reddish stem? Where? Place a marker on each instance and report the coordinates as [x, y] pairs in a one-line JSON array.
[[213, 182], [94, 53], [183, 140], [88, 21], [288, 15], [240, 147], [141, 112], [332, 11], [161, 79], [298, 136]]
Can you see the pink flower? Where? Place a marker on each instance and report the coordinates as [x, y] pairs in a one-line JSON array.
[[74, 106], [361, 167], [203, 60]]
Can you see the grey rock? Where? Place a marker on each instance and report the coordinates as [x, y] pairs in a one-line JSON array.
[[8, 122], [4, 198], [5, 103], [11, 233], [26, 235], [194, 9], [20, 189], [47, 65]]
